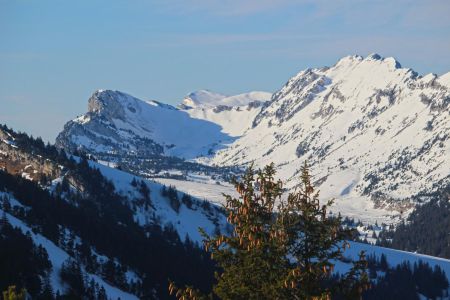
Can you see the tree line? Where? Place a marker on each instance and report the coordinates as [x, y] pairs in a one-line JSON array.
[[427, 228]]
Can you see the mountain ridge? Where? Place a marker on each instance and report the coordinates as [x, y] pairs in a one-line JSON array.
[[364, 119]]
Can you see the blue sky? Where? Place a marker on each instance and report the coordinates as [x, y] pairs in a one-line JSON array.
[[54, 54]]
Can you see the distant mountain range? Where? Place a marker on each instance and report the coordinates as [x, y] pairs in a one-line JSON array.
[[375, 134]]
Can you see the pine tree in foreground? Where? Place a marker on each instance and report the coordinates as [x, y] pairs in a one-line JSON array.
[[280, 249]]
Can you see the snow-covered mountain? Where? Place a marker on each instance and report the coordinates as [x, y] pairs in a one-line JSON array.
[[373, 132], [234, 114], [121, 124]]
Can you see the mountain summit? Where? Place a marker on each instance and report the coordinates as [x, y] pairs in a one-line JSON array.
[[373, 132]]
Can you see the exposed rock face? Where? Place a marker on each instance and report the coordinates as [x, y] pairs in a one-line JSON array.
[[107, 105], [18, 162]]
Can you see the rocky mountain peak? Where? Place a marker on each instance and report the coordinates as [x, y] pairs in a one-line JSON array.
[[352, 73], [374, 60], [109, 104], [374, 56], [381, 125]]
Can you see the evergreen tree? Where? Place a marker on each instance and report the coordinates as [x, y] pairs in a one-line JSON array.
[[72, 275], [383, 263], [283, 253], [426, 229], [22, 263], [47, 291], [316, 240], [101, 295], [187, 200], [254, 257]]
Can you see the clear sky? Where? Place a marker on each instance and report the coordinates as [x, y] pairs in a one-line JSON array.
[[54, 54]]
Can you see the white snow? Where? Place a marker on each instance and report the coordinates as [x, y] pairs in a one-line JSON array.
[[396, 257], [201, 189], [208, 99], [83, 119], [9, 142], [26, 176], [232, 113], [445, 79]]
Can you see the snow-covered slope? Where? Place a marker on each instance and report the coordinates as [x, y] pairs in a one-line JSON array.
[[394, 257], [207, 189], [208, 99], [186, 221], [234, 114], [373, 132], [119, 123]]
